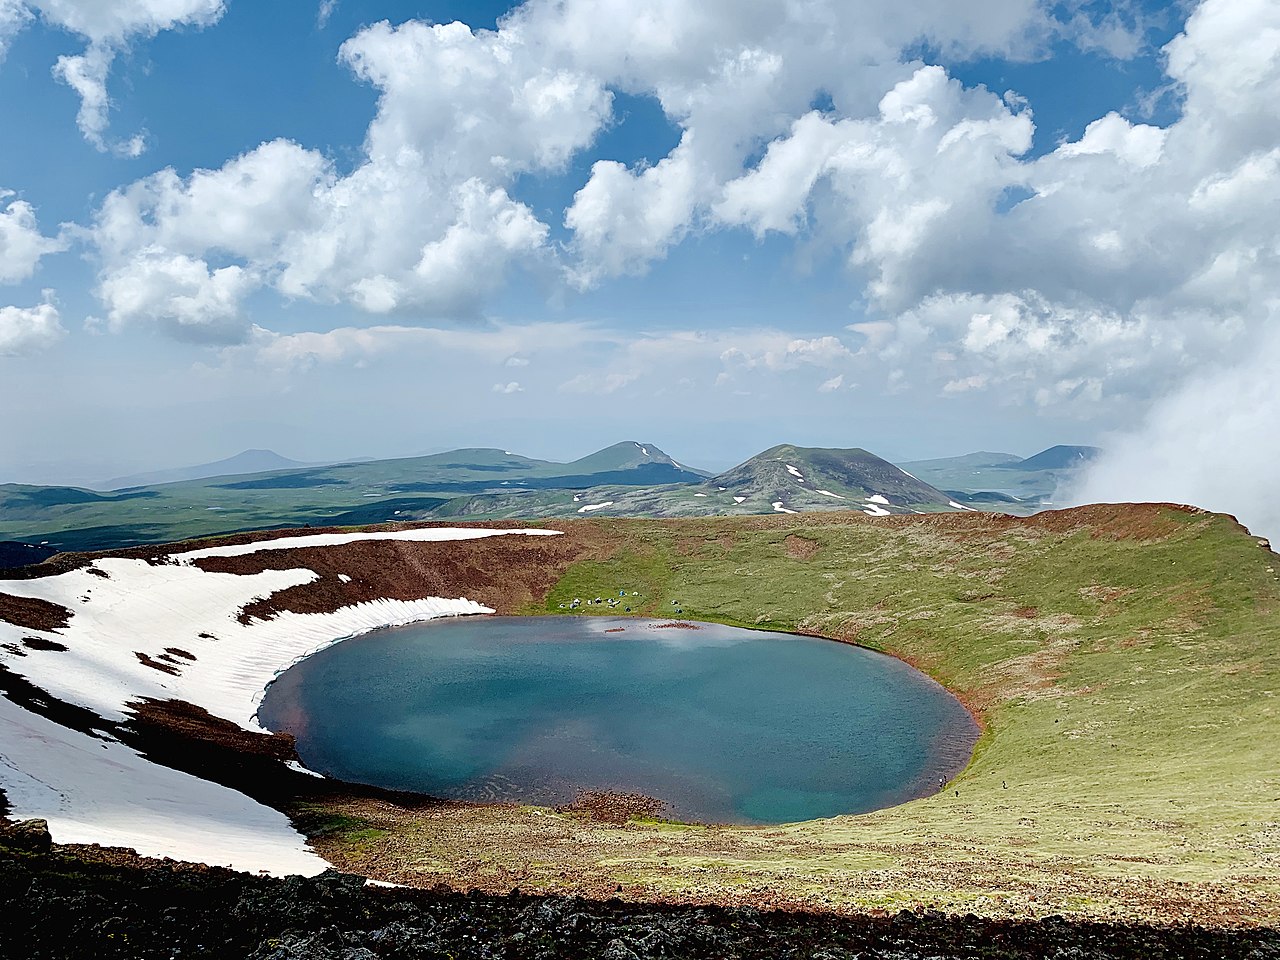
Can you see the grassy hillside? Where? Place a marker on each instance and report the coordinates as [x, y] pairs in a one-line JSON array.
[[1125, 663]]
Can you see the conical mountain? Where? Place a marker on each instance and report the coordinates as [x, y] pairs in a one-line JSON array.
[[246, 462], [787, 477], [1062, 457], [634, 455]]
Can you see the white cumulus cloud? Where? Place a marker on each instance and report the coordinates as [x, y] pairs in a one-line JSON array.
[[21, 242], [26, 330]]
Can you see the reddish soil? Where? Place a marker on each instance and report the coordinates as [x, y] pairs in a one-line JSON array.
[[33, 614], [800, 548], [154, 664], [189, 722], [505, 573], [613, 807]]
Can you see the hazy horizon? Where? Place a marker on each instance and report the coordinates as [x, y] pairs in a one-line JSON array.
[[568, 456]]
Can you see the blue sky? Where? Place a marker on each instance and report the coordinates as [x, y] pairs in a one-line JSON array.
[[920, 230]]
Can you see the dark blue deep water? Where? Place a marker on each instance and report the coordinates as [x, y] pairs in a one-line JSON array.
[[723, 725]]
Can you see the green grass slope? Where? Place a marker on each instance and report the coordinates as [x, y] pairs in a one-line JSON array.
[[1125, 664]]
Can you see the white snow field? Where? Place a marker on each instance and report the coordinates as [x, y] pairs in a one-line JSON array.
[[93, 791], [103, 791]]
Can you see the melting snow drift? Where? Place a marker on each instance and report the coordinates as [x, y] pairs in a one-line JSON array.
[[102, 791]]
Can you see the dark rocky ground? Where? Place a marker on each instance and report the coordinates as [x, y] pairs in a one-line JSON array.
[[65, 901]]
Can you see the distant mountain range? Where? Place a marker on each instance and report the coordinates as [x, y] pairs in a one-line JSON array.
[[629, 478], [782, 479], [250, 461], [995, 478]]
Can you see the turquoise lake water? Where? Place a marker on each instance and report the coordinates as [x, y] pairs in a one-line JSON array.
[[722, 724]]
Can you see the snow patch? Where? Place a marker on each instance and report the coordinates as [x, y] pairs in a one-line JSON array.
[[875, 510], [699, 494], [877, 498], [595, 506], [295, 766], [828, 493], [93, 791], [795, 473], [911, 475], [960, 506], [144, 608], [344, 578], [778, 507], [738, 499]]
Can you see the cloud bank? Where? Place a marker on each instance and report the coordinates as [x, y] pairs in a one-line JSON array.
[[1080, 279], [1214, 443]]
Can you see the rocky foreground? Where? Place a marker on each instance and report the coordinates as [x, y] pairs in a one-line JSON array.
[[63, 901]]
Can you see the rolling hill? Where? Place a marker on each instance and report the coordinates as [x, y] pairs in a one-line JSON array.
[[71, 518], [782, 479], [629, 478]]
